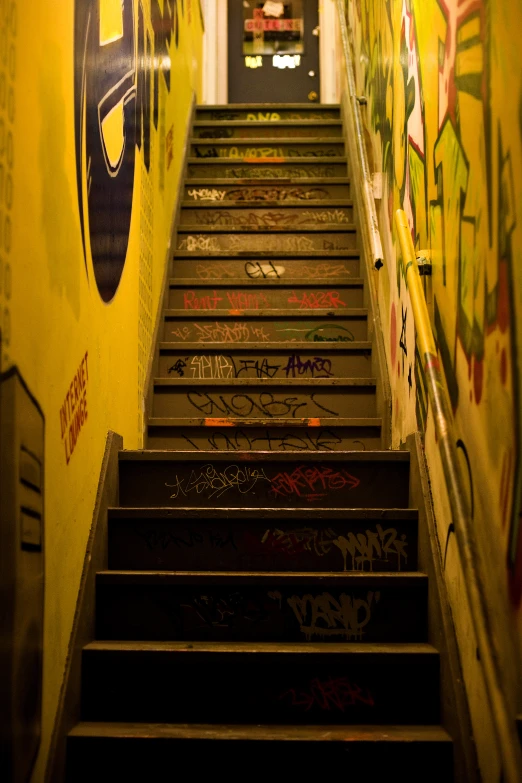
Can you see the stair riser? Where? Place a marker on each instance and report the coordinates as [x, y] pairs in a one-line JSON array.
[[285, 689], [295, 169], [262, 114], [268, 131], [275, 402], [258, 192], [266, 269], [148, 759], [234, 298], [262, 545], [268, 152], [264, 365], [278, 613], [200, 243], [290, 217], [242, 438], [264, 483], [318, 332]]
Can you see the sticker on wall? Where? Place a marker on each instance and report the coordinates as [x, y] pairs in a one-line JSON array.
[[274, 28], [118, 60]]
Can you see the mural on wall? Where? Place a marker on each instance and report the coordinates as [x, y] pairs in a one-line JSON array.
[[445, 111], [117, 73]]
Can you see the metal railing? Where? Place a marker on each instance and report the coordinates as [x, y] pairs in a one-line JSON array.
[[505, 727], [369, 222]]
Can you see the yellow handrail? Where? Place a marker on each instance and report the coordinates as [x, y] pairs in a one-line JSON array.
[[505, 726]]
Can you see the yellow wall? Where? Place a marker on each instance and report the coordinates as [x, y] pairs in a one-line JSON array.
[[444, 114], [53, 318]]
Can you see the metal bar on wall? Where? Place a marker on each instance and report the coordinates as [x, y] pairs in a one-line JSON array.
[[505, 727]]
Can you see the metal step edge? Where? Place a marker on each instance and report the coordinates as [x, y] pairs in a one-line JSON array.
[[246, 181], [255, 255], [301, 423], [278, 204], [276, 161], [370, 649], [272, 123], [245, 140], [244, 347], [198, 578], [264, 282], [303, 315], [342, 228], [202, 107], [168, 455], [181, 513], [225, 732], [249, 382]]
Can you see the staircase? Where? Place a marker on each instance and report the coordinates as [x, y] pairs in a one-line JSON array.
[[262, 612]]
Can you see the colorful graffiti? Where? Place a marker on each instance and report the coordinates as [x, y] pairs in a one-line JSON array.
[[445, 119]]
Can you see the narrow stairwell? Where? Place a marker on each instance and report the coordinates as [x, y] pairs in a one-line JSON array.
[[262, 612]]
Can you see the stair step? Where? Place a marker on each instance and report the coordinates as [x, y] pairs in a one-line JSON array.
[[207, 241], [254, 479], [261, 606], [143, 751], [264, 363], [317, 328], [271, 269], [261, 683], [206, 190], [233, 539], [263, 112], [267, 150], [277, 216], [269, 435], [225, 296], [245, 129], [281, 168]]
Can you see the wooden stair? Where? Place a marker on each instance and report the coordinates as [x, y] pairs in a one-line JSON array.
[[262, 605]]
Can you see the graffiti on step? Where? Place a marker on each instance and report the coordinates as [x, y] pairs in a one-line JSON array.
[[264, 153], [268, 405], [332, 695], [215, 133], [206, 194], [255, 172], [293, 543], [316, 300], [312, 482], [285, 193], [161, 538], [256, 300], [215, 271], [233, 439], [223, 366], [258, 270], [214, 483], [279, 219], [224, 610], [324, 616], [262, 242], [255, 270], [365, 548], [221, 332]]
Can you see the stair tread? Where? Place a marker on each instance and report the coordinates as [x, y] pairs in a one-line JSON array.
[[218, 382], [267, 140], [167, 512], [224, 422], [267, 282], [288, 314], [253, 255], [375, 455], [282, 347], [273, 123], [348, 733], [380, 578], [348, 228], [280, 161], [329, 203], [306, 648], [206, 180]]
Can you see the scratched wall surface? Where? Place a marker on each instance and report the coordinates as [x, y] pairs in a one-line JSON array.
[[444, 120], [86, 204]]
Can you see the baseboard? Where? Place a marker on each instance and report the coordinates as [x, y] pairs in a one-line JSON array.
[[148, 389], [83, 629], [455, 715]]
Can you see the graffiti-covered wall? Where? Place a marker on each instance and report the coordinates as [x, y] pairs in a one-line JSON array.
[[95, 98], [444, 115]]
